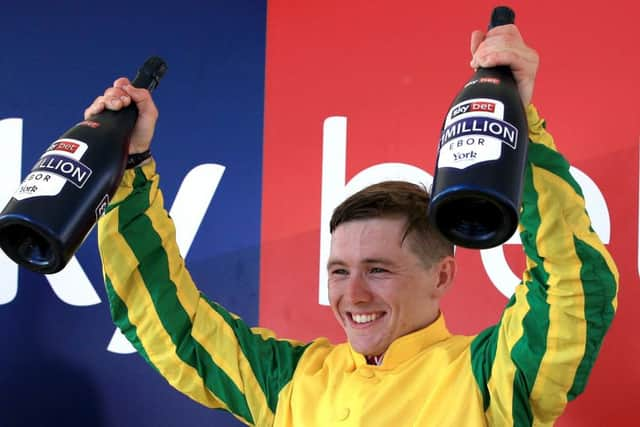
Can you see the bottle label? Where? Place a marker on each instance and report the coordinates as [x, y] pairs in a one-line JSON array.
[[101, 209], [475, 132], [59, 164]]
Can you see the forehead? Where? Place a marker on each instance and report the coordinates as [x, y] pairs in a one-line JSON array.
[[368, 235]]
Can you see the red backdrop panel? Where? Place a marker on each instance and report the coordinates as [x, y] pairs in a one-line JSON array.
[[392, 68]]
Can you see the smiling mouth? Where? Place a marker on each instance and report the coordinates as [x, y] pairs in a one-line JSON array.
[[362, 319]]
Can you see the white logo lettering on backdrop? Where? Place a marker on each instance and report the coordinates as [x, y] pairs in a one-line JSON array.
[[10, 166], [335, 189]]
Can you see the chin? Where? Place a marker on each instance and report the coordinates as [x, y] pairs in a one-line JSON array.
[[366, 349]]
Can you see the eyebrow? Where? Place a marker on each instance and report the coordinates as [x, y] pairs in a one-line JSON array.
[[334, 263], [337, 262]]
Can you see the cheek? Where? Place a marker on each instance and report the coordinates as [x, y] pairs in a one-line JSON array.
[[335, 294], [408, 300]]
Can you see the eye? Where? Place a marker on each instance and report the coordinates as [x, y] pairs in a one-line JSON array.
[[378, 270], [339, 272]]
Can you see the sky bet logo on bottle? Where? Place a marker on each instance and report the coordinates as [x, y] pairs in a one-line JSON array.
[[474, 132], [64, 145], [59, 164], [474, 106]]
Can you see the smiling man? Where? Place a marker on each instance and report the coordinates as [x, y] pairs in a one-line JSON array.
[[388, 267], [388, 270]]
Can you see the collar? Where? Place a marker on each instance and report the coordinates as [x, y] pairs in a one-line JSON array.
[[408, 345]]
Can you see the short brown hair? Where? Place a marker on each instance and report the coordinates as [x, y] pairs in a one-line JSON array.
[[397, 199]]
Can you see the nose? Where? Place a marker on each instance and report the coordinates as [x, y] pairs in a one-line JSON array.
[[358, 289]]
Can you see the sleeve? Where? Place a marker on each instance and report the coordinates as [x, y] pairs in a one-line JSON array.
[[538, 357], [196, 345]]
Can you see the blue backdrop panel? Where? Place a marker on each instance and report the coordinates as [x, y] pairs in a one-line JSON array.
[[55, 368]]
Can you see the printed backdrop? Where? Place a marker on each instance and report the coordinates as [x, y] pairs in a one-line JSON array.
[[270, 113]]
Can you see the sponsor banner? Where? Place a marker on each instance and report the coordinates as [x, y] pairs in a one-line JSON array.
[[58, 341]]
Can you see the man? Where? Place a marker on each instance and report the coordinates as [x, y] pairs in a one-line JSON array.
[[388, 270]]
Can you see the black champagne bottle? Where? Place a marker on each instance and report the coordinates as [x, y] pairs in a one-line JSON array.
[[60, 200], [477, 187]]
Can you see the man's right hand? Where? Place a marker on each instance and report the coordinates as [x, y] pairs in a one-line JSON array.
[[503, 45], [120, 96]]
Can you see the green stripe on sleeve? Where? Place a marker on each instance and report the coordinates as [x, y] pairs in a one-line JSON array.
[[541, 353], [146, 244], [600, 290], [272, 361], [546, 158], [483, 355], [529, 350], [120, 318]]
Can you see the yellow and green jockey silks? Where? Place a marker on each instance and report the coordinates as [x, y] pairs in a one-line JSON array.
[[520, 372]]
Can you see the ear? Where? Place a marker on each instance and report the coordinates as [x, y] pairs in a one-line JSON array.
[[445, 272]]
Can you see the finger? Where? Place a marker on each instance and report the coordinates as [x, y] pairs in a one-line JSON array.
[[503, 36], [114, 103], [137, 95], [120, 82], [114, 92], [503, 50], [501, 57], [509, 29], [476, 38], [116, 98], [517, 57], [96, 107], [143, 100], [497, 43]]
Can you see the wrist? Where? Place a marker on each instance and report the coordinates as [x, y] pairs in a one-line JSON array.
[[137, 159]]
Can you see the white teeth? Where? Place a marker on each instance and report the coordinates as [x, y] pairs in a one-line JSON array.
[[364, 318]]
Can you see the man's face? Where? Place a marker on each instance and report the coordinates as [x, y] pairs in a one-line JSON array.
[[379, 289]]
